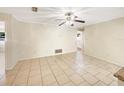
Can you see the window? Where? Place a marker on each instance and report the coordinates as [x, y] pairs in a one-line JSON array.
[[2, 36]]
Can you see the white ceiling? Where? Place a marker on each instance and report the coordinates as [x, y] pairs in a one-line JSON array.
[[51, 15]]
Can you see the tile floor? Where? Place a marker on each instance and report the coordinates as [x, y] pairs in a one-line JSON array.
[[73, 69]]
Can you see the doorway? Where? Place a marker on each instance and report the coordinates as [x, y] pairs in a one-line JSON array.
[[80, 40], [2, 52]]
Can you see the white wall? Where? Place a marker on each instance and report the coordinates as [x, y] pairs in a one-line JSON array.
[[8, 44], [106, 41], [2, 51], [37, 40], [28, 40]]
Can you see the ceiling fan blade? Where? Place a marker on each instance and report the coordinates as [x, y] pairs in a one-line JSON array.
[[81, 21], [62, 23], [59, 19]]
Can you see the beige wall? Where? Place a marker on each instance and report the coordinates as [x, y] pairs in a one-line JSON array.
[[28, 40], [106, 41]]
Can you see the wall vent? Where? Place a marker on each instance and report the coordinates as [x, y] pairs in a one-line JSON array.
[[58, 51]]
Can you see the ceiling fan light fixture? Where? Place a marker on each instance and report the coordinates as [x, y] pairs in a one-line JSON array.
[[72, 24]]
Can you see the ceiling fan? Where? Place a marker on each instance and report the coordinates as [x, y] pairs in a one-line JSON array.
[[69, 18]]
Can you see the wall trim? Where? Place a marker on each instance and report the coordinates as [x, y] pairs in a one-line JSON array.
[[10, 67], [103, 59]]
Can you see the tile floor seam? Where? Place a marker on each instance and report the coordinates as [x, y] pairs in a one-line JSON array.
[[80, 76], [41, 71], [52, 72], [66, 74], [29, 73], [16, 75], [68, 62], [99, 81]]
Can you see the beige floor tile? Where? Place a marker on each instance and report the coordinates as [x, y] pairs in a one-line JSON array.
[[111, 76], [103, 72], [11, 73], [23, 73], [22, 78], [84, 83], [17, 67], [93, 71], [34, 72], [69, 84], [35, 67], [114, 83], [81, 72], [52, 63], [10, 77], [43, 64], [67, 70], [54, 84], [99, 83], [104, 79], [58, 72], [24, 70], [64, 67], [20, 83], [46, 72], [35, 80], [48, 80], [35, 83], [55, 67], [62, 79], [90, 78], [35, 63], [8, 83], [76, 79], [45, 67]]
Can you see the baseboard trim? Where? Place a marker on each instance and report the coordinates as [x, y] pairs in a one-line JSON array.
[[109, 61], [11, 67]]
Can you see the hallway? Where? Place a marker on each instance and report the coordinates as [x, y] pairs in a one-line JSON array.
[[73, 69]]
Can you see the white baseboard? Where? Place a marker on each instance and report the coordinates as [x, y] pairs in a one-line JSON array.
[[11, 67], [109, 61]]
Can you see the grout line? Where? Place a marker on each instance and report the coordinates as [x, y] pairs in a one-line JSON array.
[[74, 71], [16, 74], [41, 72], [52, 72], [65, 59], [29, 72], [65, 73]]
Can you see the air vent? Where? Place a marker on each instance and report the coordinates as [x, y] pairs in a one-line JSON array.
[[34, 9], [58, 51]]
